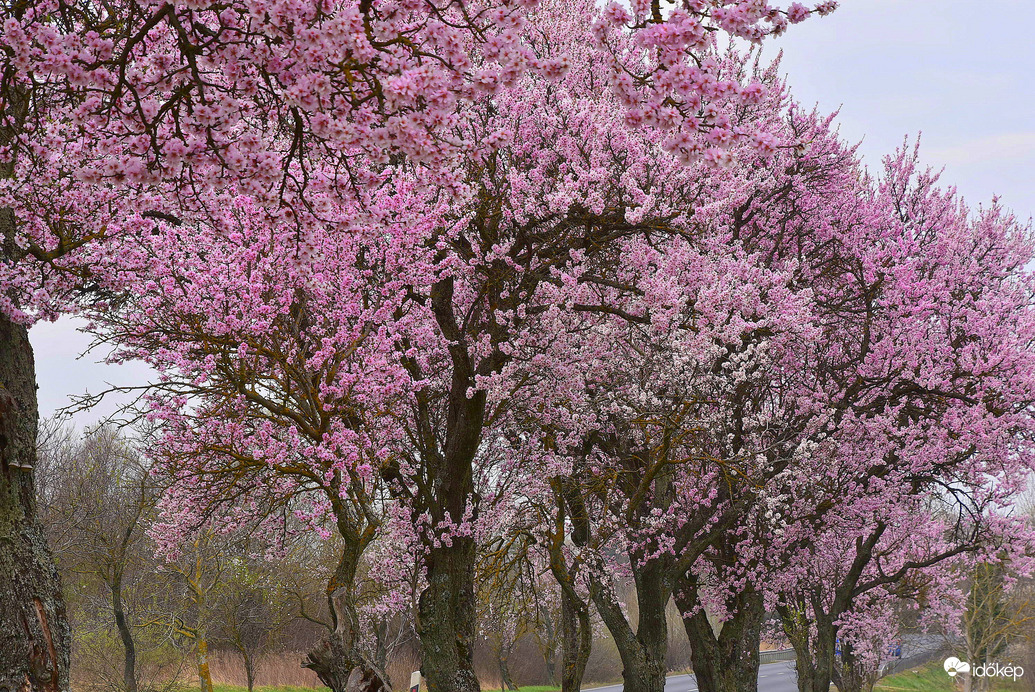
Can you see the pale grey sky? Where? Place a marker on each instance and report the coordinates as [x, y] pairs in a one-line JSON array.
[[958, 71]]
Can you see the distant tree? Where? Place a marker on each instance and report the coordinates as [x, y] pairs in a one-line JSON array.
[[96, 497]]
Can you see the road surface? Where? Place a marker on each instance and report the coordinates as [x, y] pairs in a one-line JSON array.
[[772, 677]]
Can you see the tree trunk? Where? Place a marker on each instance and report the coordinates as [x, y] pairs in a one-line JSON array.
[[249, 669], [506, 681], [576, 641], [204, 674], [446, 613], [129, 674], [35, 638], [336, 660], [727, 662], [547, 642], [643, 652], [34, 631], [446, 618], [852, 674], [815, 657]]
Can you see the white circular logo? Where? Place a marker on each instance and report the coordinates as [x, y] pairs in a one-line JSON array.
[[953, 666]]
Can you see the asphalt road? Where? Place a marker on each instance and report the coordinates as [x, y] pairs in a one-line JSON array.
[[772, 677]]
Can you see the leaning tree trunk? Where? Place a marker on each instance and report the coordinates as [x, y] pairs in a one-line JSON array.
[[336, 660], [727, 662], [34, 632], [503, 663]]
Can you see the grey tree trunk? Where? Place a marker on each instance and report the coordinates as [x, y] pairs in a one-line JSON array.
[[506, 681], [34, 631]]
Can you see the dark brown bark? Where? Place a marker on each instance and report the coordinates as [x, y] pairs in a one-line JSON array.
[[34, 632], [129, 664], [727, 661]]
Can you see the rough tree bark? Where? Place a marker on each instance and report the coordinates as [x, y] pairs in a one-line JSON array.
[[336, 660], [34, 634], [201, 653], [644, 649], [815, 655], [576, 641], [446, 619], [727, 661]]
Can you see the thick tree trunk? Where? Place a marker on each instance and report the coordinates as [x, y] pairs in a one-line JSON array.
[[446, 613], [728, 661], [129, 663], [576, 641], [446, 620], [815, 655], [642, 652], [35, 638], [336, 660], [34, 632]]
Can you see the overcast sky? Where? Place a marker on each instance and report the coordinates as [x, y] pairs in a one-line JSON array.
[[959, 72]]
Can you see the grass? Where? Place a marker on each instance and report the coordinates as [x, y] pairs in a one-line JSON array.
[[532, 688], [268, 688], [931, 678]]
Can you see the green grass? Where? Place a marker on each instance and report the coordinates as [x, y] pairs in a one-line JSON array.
[[532, 688], [268, 688], [932, 678]]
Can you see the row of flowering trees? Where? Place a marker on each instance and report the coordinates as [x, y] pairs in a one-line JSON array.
[[531, 281]]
